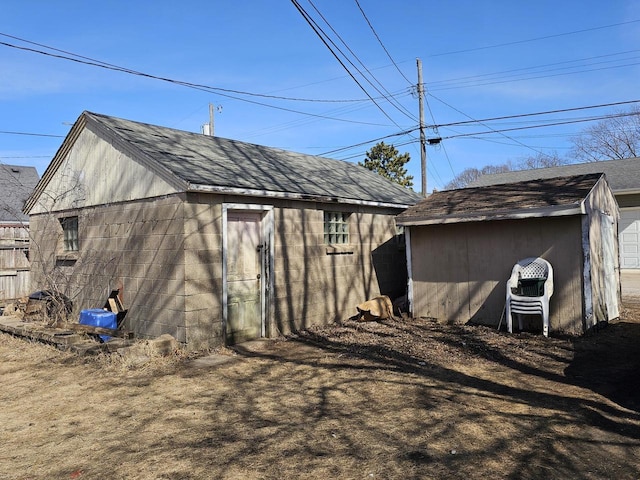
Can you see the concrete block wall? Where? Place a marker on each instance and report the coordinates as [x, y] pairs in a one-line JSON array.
[[137, 247], [203, 270], [316, 283], [165, 255]]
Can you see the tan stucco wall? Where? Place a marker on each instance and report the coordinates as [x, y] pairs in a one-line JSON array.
[[460, 270]]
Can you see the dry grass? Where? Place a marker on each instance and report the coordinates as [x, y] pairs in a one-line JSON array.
[[407, 400]]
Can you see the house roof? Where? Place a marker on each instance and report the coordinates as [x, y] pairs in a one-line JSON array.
[[16, 184], [534, 198], [622, 175], [197, 162]]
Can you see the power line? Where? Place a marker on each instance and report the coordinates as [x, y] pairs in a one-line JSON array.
[[111, 66], [535, 39], [326, 40], [442, 84], [538, 77], [553, 124], [31, 134], [405, 132], [388, 96], [381, 44], [524, 115], [189, 85], [483, 124]]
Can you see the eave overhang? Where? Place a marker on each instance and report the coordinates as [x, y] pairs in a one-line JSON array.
[[558, 211]]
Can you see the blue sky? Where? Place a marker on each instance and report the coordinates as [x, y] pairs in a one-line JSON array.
[[481, 59]]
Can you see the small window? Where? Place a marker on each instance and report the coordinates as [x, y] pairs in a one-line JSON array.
[[70, 233], [336, 228]]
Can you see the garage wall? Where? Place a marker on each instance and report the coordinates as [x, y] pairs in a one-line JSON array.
[[316, 283], [629, 236], [136, 247], [459, 271]]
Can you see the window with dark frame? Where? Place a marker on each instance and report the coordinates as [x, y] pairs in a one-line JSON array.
[[70, 233], [336, 228]]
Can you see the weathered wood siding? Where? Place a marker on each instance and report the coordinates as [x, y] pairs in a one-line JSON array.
[[459, 271], [602, 208], [14, 263], [96, 172]]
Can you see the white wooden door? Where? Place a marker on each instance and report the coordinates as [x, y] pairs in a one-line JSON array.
[[244, 268], [609, 265]]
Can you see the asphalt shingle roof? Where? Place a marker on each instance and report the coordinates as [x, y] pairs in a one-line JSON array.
[[503, 200], [16, 184], [621, 174], [220, 162]]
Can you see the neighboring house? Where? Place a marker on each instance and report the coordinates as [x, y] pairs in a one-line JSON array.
[[212, 240], [16, 184], [462, 245], [623, 177]]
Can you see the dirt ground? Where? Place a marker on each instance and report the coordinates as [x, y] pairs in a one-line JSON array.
[[376, 400]]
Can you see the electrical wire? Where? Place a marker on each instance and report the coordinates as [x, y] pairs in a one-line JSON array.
[[189, 85], [387, 96], [31, 134], [405, 132], [111, 66], [524, 115], [484, 125], [553, 124], [472, 78], [326, 40], [535, 39], [381, 44], [538, 77]]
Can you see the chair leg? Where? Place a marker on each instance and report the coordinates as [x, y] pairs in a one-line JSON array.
[[508, 316], [545, 319]]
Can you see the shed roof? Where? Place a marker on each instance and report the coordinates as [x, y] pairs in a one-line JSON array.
[[16, 184], [534, 198], [196, 162], [622, 175]]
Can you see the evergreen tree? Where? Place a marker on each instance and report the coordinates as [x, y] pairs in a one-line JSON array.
[[387, 161]]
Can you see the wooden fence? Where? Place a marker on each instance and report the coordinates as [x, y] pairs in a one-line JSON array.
[[14, 261]]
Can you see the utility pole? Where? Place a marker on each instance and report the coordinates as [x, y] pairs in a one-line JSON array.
[[423, 141], [211, 119]]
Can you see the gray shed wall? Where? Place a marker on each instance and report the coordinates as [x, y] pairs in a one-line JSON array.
[[459, 271]]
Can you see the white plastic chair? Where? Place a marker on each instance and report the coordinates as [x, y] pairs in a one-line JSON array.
[[528, 291]]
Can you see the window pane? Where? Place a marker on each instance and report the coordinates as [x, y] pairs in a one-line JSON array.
[[70, 233], [336, 228]]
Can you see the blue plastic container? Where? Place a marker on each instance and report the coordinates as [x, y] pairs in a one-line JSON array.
[[96, 317]]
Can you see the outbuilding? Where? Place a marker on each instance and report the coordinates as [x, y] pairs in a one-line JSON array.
[[624, 179], [208, 239], [462, 245]]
